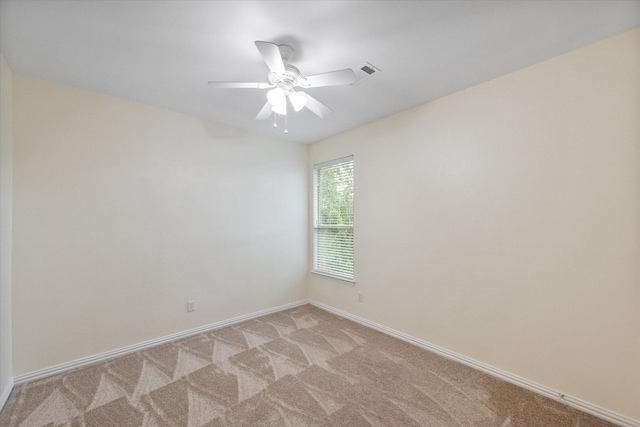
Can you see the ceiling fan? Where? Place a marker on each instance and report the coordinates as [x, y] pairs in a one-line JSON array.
[[284, 78]]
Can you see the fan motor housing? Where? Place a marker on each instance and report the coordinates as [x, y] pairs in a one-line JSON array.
[[291, 75]]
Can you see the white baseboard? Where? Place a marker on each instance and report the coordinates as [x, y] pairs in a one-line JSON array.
[[574, 402], [5, 393], [58, 369]]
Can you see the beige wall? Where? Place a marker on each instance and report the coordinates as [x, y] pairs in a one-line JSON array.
[[123, 212], [6, 166], [502, 223]]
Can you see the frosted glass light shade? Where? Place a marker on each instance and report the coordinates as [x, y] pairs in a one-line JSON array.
[[298, 100], [280, 108], [278, 101]]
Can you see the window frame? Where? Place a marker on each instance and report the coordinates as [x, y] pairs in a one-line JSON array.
[[350, 280]]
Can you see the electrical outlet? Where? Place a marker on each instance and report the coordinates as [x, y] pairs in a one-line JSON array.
[[191, 306], [360, 297]]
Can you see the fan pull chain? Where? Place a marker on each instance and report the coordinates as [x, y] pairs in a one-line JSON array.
[[286, 125], [275, 123]]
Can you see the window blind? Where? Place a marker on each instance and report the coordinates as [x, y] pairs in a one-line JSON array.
[[333, 218]]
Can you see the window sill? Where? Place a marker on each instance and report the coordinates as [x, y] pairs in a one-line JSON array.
[[348, 282]]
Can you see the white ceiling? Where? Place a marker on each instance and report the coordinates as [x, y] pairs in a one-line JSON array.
[[163, 52]]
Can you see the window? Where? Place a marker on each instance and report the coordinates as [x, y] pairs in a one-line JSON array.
[[333, 218]]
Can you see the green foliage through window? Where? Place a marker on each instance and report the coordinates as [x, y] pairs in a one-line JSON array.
[[333, 218]]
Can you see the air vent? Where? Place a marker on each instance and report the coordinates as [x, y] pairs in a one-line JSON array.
[[365, 71], [368, 69]]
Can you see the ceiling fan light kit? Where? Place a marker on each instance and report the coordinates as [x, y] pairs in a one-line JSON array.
[[283, 79]]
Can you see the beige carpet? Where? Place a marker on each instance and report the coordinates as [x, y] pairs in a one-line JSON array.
[[300, 367]]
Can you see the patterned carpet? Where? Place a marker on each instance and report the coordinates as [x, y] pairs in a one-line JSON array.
[[300, 367]]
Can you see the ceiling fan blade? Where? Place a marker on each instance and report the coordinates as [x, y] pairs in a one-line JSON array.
[[316, 106], [332, 78], [238, 85], [265, 112], [271, 55]]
